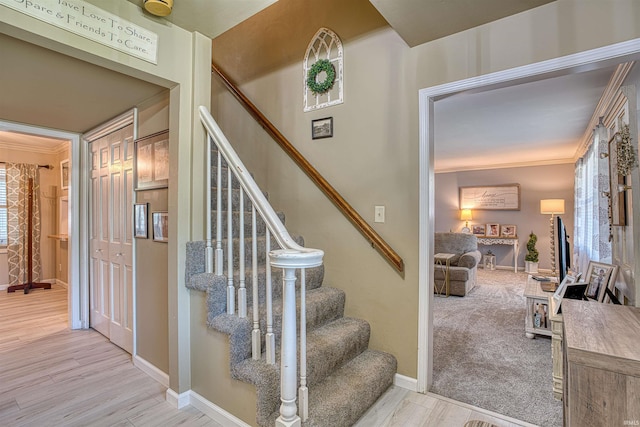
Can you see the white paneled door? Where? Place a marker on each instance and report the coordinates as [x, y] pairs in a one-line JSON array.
[[111, 237]]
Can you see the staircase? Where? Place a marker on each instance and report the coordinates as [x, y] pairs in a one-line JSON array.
[[344, 377]]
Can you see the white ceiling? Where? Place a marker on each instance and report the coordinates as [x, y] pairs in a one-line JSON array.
[[540, 122]]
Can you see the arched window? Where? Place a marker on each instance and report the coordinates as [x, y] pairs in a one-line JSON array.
[[325, 45]]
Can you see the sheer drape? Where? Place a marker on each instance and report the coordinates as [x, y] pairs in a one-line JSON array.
[[18, 176], [591, 222]]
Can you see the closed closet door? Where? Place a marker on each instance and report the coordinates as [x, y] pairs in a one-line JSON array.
[[111, 237]]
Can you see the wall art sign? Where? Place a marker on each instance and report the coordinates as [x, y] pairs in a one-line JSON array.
[[93, 23], [496, 197]]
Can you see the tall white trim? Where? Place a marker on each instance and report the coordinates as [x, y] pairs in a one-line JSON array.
[[75, 295], [405, 382], [214, 412], [151, 370], [564, 65]]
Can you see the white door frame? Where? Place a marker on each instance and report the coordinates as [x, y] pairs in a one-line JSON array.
[[76, 319], [563, 65]]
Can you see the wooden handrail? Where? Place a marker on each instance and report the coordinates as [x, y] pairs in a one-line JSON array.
[[369, 233]]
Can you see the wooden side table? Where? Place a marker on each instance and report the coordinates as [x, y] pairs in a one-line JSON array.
[[442, 261], [556, 348], [537, 302]]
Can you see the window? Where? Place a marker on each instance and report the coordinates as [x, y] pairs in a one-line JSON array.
[[3, 206]]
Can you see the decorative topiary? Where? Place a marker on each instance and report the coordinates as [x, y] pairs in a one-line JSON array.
[[532, 252]]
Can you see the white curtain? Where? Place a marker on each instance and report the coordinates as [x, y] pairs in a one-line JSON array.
[[591, 223], [18, 176]]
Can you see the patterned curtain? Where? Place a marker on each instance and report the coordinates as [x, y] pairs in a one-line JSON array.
[[17, 222], [591, 223]]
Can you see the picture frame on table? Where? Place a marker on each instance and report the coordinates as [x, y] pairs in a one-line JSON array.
[[508, 230], [600, 276], [152, 161], [569, 279], [322, 128], [478, 230], [492, 230], [160, 223], [140, 226]]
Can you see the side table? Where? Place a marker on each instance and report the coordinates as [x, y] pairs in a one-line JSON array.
[[537, 318], [442, 260]]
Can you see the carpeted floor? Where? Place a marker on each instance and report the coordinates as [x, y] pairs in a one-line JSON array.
[[482, 357]]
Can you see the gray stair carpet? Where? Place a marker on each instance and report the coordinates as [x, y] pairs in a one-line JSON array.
[[344, 377]]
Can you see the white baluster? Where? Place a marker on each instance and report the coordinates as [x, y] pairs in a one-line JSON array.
[[288, 364], [209, 248], [219, 252], [242, 291], [231, 291], [270, 338], [303, 391], [255, 334]]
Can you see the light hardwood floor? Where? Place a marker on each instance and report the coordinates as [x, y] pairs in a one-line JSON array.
[[52, 376]]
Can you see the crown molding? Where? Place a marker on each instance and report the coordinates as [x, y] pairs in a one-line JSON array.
[[506, 165], [52, 149]]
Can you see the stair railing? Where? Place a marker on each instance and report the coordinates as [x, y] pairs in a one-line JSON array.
[[290, 257], [347, 210]]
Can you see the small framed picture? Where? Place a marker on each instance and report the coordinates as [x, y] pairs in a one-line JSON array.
[[322, 128], [64, 174], [478, 230], [160, 222], [493, 230], [508, 231], [140, 228], [600, 277], [569, 279]]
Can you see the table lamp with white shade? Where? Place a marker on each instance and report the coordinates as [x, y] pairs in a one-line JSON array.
[[552, 207], [465, 215]]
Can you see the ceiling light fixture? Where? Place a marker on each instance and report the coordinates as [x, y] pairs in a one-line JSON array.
[[158, 7]]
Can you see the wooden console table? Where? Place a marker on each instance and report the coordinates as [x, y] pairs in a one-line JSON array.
[[511, 241], [601, 364]]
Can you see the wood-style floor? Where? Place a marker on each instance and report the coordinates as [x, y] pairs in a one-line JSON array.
[[52, 376]]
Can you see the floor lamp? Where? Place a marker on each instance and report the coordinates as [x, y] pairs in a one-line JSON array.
[[552, 207]]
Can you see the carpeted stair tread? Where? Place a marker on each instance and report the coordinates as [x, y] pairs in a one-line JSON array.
[[341, 398], [261, 246]]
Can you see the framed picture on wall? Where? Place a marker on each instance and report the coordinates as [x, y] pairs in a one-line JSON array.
[[322, 128], [140, 228], [152, 161], [160, 222], [64, 174]]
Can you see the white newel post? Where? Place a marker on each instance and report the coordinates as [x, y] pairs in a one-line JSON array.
[[288, 363], [290, 260]]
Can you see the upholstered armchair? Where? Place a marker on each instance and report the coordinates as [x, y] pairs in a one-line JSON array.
[[464, 266]]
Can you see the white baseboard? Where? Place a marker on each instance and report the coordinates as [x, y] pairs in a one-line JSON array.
[[151, 370], [405, 382], [176, 400], [215, 412], [61, 283]]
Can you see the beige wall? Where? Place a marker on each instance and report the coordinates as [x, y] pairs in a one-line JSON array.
[[152, 333], [373, 157], [536, 183], [49, 193]]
